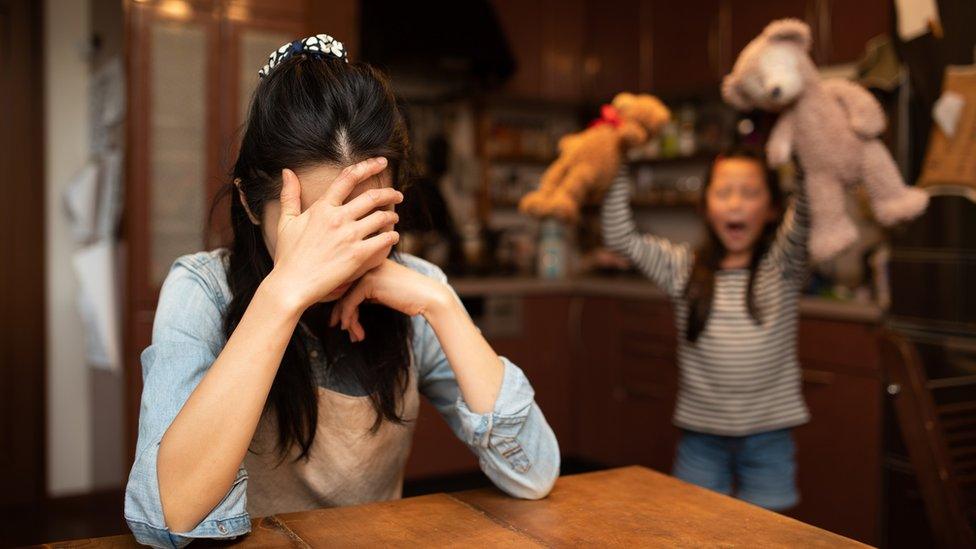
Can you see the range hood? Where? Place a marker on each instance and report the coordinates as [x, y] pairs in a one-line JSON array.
[[436, 48]]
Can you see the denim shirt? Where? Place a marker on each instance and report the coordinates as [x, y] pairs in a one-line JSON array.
[[515, 446]]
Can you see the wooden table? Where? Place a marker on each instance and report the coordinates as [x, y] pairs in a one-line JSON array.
[[627, 507]]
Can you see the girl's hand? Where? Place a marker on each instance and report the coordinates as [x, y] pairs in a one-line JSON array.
[[396, 287], [321, 248]]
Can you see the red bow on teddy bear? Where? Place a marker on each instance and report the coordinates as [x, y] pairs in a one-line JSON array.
[[609, 115]]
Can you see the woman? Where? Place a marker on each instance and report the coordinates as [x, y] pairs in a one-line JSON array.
[[284, 372]]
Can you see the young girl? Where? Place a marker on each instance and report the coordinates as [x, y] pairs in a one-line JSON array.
[[736, 308], [284, 372]]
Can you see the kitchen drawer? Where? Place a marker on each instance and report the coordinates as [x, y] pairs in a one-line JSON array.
[[649, 317], [842, 347]]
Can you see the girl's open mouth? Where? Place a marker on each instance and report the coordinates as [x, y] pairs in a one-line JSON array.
[[735, 228]]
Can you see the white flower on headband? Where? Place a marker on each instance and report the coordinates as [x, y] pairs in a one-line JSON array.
[[320, 43]]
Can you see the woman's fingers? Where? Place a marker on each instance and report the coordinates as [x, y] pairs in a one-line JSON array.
[[375, 223], [353, 175], [373, 199], [346, 311], [291, 195], [378, 243], [355, 328]]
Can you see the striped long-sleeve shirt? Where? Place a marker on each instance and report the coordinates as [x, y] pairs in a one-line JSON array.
[[740, 377]]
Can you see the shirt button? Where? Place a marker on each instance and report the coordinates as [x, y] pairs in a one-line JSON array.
[[222, 528], [314, 354]]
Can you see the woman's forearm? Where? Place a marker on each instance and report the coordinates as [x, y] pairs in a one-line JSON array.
[[203, 448], [476, 366]]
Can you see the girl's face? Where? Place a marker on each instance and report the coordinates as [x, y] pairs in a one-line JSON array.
[[738, 203], [315, 181]]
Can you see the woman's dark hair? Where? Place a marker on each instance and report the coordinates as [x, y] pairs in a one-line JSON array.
[[700, 290], [312, 111]]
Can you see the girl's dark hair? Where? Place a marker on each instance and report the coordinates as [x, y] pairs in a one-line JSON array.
[[700, 290], [312, 111]]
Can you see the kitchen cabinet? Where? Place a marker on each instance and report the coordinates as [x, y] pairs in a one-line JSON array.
[[749, 18], [844, 28], [585, 50], [563, 32], [688, 46], [611, 53], [839, 453], [546, 39], [521, 21]]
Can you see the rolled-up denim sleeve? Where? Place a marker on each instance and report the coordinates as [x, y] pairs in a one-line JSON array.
[[516, 447], [186, 339]]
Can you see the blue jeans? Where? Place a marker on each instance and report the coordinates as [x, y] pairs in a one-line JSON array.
[[759, 468]]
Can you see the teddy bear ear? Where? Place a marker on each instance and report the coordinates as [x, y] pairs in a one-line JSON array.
[[790, 30], [732, 95], [621, 100]]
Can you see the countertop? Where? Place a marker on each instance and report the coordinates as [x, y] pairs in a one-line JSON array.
[[634, 288], [626, 507]]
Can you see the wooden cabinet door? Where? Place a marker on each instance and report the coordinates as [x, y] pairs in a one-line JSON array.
[[839, 453], [611, 52], [687, 47], [750, 17], [647, 384], [626, 383], [562, 50], [522, 21], [845, 27], [597, 374], [23, 395]]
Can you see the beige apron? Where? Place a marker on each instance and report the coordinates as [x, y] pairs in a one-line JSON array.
[[347, 464]]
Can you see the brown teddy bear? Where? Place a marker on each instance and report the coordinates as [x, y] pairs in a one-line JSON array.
[[831, 125], [589, 160]]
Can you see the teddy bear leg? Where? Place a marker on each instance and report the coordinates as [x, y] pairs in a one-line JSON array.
[[831, 230], [536, 203], [565, 202], [891, 200]]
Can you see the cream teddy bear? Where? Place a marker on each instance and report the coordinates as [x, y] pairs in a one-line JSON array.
[[831, 125]]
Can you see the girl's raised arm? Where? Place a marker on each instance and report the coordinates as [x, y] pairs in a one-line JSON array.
[[664, 262]]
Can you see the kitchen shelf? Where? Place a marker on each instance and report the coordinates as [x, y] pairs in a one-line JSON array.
[[522, 160], [697, 158]]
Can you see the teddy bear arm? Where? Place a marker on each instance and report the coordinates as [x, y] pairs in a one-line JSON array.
[[864, 113], [632, 134], [779, 148], [567, 143]]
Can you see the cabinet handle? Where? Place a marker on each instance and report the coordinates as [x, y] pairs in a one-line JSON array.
[[818, 377]]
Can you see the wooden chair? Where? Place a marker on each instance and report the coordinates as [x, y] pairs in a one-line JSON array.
[[940, 438]]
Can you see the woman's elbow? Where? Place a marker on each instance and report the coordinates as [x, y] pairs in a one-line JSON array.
[[537, 481], [535, 486], [179, 520]]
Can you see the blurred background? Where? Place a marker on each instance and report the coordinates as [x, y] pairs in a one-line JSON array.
[[120, 120]]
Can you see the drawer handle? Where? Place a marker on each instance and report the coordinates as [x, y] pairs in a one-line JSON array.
[[818, 377]]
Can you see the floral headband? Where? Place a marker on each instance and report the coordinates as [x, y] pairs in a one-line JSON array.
[[321, 45]]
